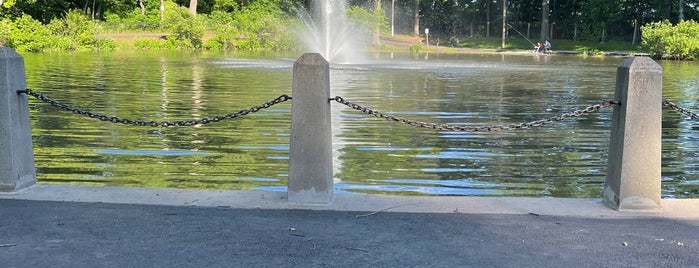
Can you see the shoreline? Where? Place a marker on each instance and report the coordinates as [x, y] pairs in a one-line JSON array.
[[403, 44]]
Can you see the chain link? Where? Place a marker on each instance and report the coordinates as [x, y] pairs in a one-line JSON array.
[[681, 110], [115, 119], [284, 97], [537, 123]]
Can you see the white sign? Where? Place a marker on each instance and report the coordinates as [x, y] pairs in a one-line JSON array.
[[427, 30]]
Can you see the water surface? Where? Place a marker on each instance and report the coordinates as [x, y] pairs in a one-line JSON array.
[[563, 159]]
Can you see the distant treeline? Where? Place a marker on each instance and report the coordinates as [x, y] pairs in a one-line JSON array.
[[33, 25]]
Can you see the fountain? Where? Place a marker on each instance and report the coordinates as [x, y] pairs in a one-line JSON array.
[[328, 32]]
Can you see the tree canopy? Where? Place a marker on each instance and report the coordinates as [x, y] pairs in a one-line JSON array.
[[567, 19], [265, 23]]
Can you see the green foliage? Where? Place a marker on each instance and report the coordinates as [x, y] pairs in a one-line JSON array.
[[133, 21], [226, 38], [591, 52], [29, 35], [77, 31], [415, 49], [218, 18], [666, 41], [5, 30], [262, 25], [73, 32], [146, 43], [366, 21], [187, 30]]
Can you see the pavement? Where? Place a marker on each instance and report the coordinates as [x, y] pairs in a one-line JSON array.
[[85, 226]]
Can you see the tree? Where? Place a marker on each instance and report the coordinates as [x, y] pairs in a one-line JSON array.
[[416, 18], [193, 7], [143, 8], [544, 20], [504, 23], [376, 37]]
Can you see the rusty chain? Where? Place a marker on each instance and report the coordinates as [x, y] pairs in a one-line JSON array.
[[681, 110], [537, 123], [115, 119]]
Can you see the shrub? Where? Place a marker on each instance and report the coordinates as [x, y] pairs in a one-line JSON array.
[[672, 42], [187, 30], [226, 38], [366, 21], [146, 43], [5, 30], [262, 25], [77, 31], [29, 35], [415, 49]]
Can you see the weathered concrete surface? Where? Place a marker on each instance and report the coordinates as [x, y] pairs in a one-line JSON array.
[[261, 229], [633, 167], [671, 208], [16, 152], [310, 139]]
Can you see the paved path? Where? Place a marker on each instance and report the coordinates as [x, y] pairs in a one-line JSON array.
[[261, 229]]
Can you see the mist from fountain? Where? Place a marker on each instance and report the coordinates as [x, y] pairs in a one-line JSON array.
[[328, 32]]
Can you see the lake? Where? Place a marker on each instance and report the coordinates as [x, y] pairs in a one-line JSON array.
[[371, 155]]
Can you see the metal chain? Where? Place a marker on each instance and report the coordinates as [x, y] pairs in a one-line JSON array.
[[115, 119], [681, 110], [284, 97], [576, 113]]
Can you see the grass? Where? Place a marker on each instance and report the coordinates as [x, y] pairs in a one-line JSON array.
[[559, 44]]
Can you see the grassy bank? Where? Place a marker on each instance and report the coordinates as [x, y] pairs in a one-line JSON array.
[[514, 43]]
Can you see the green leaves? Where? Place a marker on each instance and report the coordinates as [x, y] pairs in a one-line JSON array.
[[666, 41], [28, 35]]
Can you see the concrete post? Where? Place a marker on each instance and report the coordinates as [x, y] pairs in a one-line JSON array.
[[633, 170], [16, 152], [310, 151]]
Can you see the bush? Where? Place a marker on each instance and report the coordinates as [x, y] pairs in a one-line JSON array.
[[5, 30], [187, 30], [366, 21], [262, 25], [29, 35], [665, 41], [415, 49], [149, 43], [226, 38], [77, 31]]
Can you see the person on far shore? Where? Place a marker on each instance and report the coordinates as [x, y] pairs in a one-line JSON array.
[[547, 45], [538, 48]]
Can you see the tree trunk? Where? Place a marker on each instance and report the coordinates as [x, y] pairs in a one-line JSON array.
[[376, 40], [634, 41], [193, 7], [487, 19], [504, 23], [544, 21], [143, 8], [416, 18], [93, 10]]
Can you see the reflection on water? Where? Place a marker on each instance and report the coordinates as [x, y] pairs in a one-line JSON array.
[[563, 159]]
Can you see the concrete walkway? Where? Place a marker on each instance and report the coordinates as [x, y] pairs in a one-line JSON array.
[[82, 226]]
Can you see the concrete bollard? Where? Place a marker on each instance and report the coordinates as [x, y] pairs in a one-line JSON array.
[[633, 169], [310, 150], [16, 152]]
